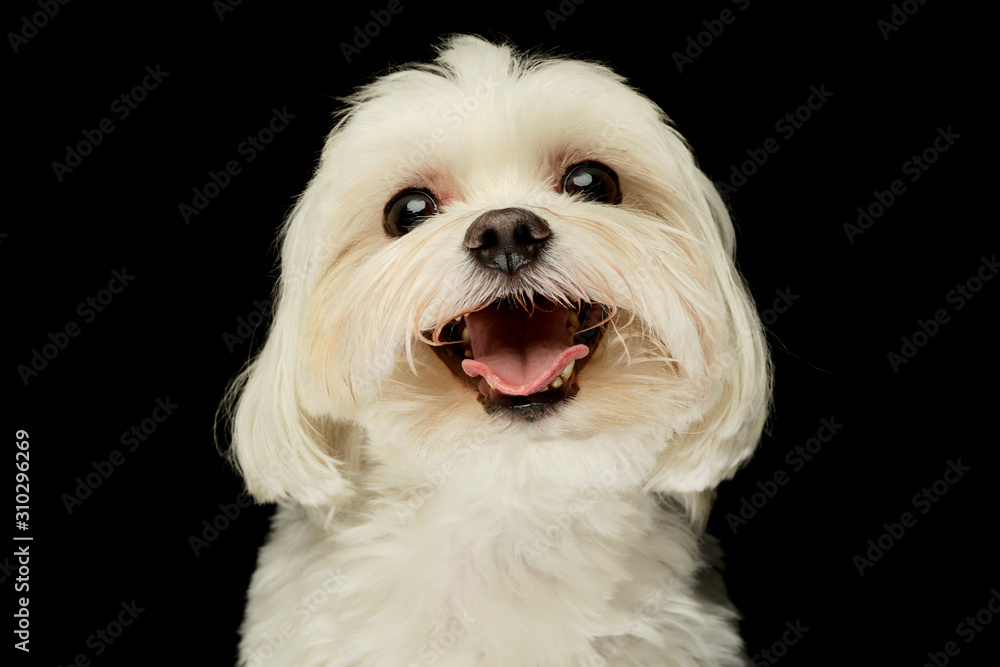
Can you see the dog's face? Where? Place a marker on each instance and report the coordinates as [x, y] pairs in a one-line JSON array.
[[516, 247]]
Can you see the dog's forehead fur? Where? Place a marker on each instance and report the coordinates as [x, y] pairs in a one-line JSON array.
[[482, 123]]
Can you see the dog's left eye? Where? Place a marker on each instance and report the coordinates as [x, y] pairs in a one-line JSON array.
[[407, 210], [593, 181]]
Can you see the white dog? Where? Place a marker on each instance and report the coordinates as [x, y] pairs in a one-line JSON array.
[[511, 359]]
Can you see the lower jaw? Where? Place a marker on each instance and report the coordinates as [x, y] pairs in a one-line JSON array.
[[531, 407]]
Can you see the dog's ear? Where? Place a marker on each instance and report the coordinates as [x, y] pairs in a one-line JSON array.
[[285, 450], [737, 374]]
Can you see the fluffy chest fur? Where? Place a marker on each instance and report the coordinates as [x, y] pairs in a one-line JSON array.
[[469, 569]]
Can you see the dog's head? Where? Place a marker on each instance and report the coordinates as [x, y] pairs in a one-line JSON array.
[[512, 250]]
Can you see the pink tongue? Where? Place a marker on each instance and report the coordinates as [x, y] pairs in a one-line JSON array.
[[518, 353]]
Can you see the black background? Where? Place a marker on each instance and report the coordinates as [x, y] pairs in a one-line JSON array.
[[162, 336]]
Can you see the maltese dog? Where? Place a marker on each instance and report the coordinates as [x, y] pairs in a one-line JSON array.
[[511, 359]]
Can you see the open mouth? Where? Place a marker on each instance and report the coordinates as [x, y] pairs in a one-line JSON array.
[[522, 357]]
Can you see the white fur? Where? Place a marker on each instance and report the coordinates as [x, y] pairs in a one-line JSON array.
[[412, 527]]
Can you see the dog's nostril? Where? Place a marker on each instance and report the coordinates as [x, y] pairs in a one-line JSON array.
[[507, 239], [526, 234], [487, 238]]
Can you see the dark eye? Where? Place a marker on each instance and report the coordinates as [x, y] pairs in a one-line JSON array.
[[593, 181], [407, 210]]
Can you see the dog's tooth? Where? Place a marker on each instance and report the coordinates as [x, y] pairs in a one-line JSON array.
[[466, 335], [573, 323], [567, 371], [468, 354], [555, 384]]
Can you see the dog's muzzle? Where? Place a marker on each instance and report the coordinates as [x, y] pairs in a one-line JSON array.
[[522, 351]]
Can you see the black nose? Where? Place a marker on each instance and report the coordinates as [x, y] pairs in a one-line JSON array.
[[507, 239]]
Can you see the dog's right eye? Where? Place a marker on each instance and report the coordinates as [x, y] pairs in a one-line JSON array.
[[407, 210], [593, 181]]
